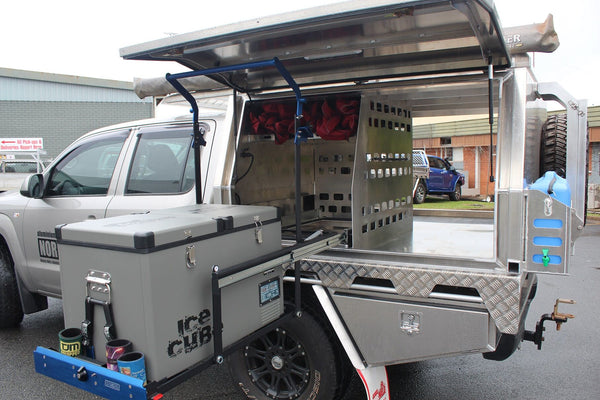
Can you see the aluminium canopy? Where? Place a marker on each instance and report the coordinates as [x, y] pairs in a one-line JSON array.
[[349, 42]]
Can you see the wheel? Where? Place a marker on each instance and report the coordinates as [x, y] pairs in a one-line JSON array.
[[420, 193], [455, 196], [295, 361], [553, 151], [11, 312]]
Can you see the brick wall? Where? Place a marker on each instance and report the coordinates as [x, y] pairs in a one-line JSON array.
[[60, 123]]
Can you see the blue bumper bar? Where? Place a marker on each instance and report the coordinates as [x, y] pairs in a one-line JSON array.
[[88, 376]]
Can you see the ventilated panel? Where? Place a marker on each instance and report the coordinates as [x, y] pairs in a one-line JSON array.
[[382, 186]]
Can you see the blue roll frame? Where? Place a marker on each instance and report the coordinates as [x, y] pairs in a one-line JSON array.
[[95, 378]]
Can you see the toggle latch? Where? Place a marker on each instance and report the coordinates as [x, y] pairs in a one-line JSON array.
[[258, 226], [537, 336]]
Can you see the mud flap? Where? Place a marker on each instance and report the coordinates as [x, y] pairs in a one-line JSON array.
[[374, 379], [376, 384]]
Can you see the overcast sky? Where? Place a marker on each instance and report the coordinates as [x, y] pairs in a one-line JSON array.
[[83, 38]]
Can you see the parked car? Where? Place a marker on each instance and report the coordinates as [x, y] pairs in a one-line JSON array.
[[441, 178], [14, 171]]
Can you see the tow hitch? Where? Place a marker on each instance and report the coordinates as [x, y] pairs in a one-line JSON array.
[[537, 336]]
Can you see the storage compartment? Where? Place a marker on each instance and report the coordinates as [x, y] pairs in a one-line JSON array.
[[389, 332], [356, 171], [155, 270]]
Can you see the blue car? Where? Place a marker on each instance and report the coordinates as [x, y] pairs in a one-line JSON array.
[[443, 179]]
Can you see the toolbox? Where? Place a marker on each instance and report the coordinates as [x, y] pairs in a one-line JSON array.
[[147, 278]]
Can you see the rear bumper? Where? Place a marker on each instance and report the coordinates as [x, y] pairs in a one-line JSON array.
[[87, 375]]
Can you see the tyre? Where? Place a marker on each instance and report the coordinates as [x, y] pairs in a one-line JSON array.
[[11, 312], [295, 361], [553, 150], [456, 195], [420, 193]]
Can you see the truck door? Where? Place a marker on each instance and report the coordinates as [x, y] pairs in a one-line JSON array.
[[435, 181], [447, 176], [79, 186], [160, 170]]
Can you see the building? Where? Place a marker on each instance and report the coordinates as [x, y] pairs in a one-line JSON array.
[[467, 144], [60, 108]]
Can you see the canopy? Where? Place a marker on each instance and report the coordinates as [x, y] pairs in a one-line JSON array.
[[356, 41]]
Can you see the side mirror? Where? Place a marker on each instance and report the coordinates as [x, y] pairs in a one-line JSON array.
[[33, 186], [451, 168]]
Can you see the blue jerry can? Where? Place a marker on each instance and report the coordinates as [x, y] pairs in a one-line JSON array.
[[554, 185]]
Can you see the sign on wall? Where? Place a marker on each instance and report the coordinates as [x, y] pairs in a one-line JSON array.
[[21, 144]]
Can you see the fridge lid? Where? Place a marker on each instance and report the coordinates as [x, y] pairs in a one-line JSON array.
[[159, 229]]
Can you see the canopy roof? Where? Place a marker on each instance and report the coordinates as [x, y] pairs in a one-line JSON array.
[[356, 41]]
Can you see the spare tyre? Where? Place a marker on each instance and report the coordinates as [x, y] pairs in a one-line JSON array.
[[553, 150]]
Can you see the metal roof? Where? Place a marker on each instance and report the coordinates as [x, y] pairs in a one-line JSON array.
[[20, 85], [480, 126], [344, 42]]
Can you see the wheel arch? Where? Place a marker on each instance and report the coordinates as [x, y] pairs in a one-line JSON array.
[[31, 302]]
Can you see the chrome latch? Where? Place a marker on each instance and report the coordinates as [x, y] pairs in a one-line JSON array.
[[190, 256], [258, 234], [98, 282], [410, 322]]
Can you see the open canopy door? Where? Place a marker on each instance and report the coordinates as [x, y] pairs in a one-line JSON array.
[[356, 41]]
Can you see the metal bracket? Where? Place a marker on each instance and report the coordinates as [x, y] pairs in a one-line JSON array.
[[537, 336], [98, 282]]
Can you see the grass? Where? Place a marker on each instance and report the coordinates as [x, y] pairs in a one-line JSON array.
[[593, 216], [441, 203], [445, 204]]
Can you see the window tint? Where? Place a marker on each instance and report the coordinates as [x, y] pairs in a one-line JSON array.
[[163, 162], [88, 169]]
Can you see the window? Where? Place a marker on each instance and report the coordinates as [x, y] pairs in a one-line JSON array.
[[445, 141], [163, 162], [29, 167], [88, 169]]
